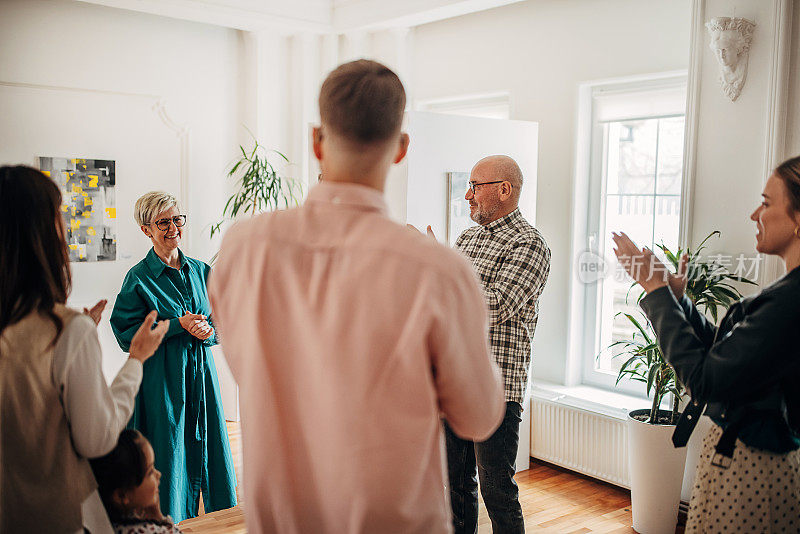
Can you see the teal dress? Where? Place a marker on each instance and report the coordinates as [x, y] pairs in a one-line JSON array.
[[178, 407]]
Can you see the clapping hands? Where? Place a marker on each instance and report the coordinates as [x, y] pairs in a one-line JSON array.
[[97, 311], [429, 230], [646, 269], [147, 339]]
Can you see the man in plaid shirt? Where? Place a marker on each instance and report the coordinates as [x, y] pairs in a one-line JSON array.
[[512, 261]]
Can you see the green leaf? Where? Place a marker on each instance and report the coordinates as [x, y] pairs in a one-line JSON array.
[[712, 309], [726, 296], [235, 167], [673, 258], [630, 361], [281, 155], [742, 279], [651, 376], [715, 233], [638, 326]]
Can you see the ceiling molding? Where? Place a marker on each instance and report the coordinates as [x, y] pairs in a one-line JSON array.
[[280, 16], [313, 16], [373, 15]]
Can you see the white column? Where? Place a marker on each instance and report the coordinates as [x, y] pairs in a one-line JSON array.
[[401, 39], [305, 82], [330, 53], [265, 90], [356, 45]]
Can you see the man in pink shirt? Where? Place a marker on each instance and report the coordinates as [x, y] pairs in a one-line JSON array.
[[350, 336]]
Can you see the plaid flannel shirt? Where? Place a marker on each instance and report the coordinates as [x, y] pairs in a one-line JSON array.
[[512, 261]]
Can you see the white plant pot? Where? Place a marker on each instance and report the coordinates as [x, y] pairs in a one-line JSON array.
[[656, 469]]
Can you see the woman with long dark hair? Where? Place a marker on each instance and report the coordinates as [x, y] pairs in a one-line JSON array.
[[55, 407], [744, 373]]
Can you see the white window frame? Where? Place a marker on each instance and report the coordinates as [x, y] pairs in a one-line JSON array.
[[588, 191]]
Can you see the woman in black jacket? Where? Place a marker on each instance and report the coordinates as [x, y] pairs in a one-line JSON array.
[[745, 373]]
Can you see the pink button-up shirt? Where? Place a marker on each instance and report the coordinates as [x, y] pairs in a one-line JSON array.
[[349, 335]]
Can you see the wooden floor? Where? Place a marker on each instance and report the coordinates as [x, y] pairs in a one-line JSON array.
[[553, 500]]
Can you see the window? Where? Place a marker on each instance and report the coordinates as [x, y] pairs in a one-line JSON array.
[[634, 183]]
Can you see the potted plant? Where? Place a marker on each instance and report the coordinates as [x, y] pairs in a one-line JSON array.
[[656, 467], [259, 188]]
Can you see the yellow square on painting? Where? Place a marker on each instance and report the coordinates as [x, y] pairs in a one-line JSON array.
[[74, 224], [46, 173], [93, 178], [64, 208], [111, 213], [91, 231], [87, 214], [87, 201], [73, 247], [77, 189]]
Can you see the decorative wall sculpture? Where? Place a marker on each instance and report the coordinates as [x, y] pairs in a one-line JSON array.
[[730, 41], [88, 205]]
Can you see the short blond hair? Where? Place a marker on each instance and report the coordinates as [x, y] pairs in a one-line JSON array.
[[151, 204]]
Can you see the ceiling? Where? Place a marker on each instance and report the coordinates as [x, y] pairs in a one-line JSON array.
[[317, 16]]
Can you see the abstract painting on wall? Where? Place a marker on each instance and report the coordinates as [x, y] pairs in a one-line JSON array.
[[88, 205], [457, 207]]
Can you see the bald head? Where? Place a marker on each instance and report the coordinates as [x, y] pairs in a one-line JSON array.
[[501, 167], [494, 193]]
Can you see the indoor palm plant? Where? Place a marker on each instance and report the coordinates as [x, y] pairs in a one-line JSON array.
[[260, 187], [656, 467]]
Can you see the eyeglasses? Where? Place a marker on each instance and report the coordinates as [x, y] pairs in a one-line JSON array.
[[472, 185], [163, 224]]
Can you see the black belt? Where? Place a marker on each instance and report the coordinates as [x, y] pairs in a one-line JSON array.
[[723, 455], [686, 423]]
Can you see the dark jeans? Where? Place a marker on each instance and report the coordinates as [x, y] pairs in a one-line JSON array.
[[493, 460]]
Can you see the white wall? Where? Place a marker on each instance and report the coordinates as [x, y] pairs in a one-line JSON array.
[[539, 51], [121, 64], [442, 143], [731, 137], [737, 144], [793, 117]]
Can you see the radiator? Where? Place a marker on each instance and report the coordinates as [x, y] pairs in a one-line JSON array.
[[581, 440]]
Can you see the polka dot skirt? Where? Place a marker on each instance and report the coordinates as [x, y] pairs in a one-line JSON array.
[[146, 527], [759, 491]]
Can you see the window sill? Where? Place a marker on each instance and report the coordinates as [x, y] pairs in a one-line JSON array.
[[589, 399]]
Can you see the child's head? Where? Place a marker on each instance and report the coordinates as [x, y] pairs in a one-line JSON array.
[[127, 477]]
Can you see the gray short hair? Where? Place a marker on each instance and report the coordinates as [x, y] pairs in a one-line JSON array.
[[151, 204]]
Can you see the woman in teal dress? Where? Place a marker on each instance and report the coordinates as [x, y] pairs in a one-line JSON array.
[[178, 407]]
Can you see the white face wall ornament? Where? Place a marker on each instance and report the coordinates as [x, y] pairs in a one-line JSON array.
[[730, 42]]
